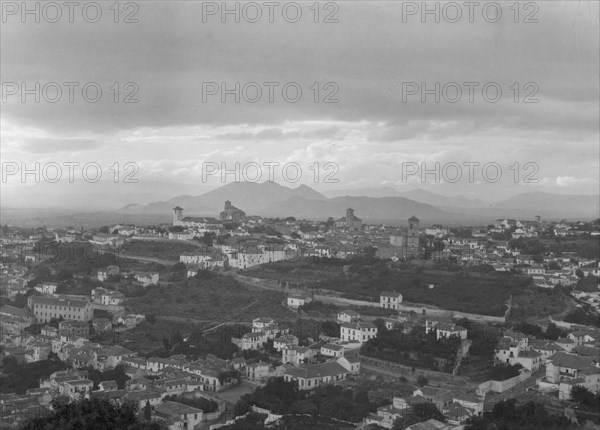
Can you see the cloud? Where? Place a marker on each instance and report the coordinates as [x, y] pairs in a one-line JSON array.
[[360, 62]]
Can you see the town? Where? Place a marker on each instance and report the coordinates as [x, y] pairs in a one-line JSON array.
[[239, 321]]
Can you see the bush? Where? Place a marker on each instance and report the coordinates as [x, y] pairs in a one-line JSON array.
[[90, 414]]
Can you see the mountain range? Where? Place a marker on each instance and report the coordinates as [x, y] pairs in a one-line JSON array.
[[275, 200], [269, 199]]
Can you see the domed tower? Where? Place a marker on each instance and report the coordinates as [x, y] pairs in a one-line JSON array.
[[177, 215]]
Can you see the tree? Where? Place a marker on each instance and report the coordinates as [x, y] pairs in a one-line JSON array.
[[330, 328], [208, 238], [422, 380], [553, 332], [230, 375], [92, 414], [103, 229], [585, 397], [380, 324], [553, 266], [147, 411], [579, 273]]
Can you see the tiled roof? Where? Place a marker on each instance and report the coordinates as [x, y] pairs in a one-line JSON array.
[[389, 294], [317, 370], [571, 361]]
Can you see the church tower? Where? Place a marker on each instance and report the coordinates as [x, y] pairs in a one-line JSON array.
[[412, 236], [413, 223], [349, 218], [177, 215]]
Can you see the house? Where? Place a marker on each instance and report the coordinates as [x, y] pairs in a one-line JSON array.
[[107, 297], [147, 279], [535, 270], [350, 362], [358, 332], [438, 396], [332, 350], [77, 389], [297, 355], [108, 385], [400, 407], [49, 331], [514, 348], [312, 376], [348, 316], [263, 324], [113, 298], [256, 371], [286, 341], [433, 424], [446, 330], [294, 301], [457, 413], [73, 329], [111, 270], [238, 363], [177, 415], [390, 300], [472, 401], [385, 417], [566, 343], [392, 323], [141, 397], [254, 340], [564, 370], [101, 325], [110, 357], [581, 337], [48, 288], [37, 351], [46, 308]]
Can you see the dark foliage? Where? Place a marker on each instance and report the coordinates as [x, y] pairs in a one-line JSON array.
[[415, 349], [583, 317], [94, 414], [17, 378], [199, 402], [117, 374], [510, 416], [326, 402]]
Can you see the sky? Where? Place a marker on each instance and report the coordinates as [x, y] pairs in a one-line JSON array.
[[359, 108]]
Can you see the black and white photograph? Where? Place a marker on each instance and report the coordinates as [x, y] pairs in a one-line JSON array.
[[300, 215]]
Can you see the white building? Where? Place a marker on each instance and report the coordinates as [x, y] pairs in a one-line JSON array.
[[294, 301], [358, 332], [332, 350], [348, 316], [390, 300]]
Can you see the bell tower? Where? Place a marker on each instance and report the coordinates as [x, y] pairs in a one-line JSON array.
[[177, 215], [349, 217]]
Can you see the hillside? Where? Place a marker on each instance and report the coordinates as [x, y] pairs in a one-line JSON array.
[[251, 197], [566, 204], [456, 289]]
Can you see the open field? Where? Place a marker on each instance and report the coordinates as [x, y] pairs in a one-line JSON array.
[[454, 288], [214, 298]]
